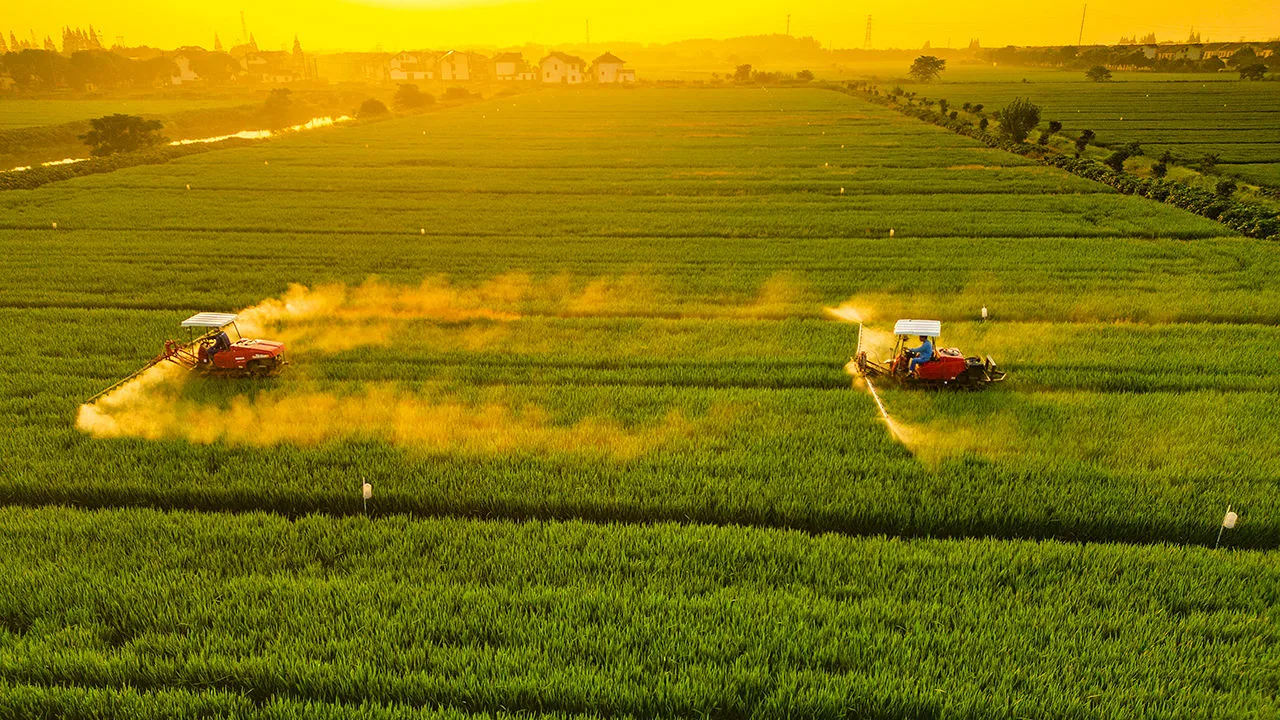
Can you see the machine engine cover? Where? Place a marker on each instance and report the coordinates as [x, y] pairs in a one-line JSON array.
[[942, 367]]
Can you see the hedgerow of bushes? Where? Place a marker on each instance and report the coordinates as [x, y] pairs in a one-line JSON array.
[[37, 176]]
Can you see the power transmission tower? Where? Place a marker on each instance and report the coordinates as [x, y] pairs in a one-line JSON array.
[[866, 43], [788, 23]]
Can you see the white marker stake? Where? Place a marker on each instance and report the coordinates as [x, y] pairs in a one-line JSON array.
[[984, 312], [1228, 523], [366, 490]]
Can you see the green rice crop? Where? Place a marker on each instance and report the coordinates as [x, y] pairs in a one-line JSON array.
[[648, 621], [1188, 116], [645, 499], [702, 196]]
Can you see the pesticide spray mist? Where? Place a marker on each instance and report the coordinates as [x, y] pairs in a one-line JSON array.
[[878, 345], [335, 318]]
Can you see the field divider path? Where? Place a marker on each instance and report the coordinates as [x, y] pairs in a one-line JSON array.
[[869, 525]]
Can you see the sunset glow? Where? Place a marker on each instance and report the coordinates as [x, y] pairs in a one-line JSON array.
[[395, 24]]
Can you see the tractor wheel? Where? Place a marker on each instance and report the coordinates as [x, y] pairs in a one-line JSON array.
[[257, 369]]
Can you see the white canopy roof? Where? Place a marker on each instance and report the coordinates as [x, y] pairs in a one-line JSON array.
[[209, 320], [928, 328]]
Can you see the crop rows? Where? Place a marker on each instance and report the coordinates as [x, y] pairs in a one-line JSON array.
[[618, 469], [656, 621], [1049, 279], [726, 334], [1239, 121], [1093, 427]]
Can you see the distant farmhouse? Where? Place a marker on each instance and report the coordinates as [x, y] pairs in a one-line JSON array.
[[413, 66], [1145, 54], [1195, 52], [182, 64], [560, 68], [454, 66], [1185, 52], [244, 63], [557, 68], [608, 69], [510, 66]]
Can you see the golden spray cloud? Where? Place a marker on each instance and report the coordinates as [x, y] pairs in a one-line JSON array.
[[337, 317]]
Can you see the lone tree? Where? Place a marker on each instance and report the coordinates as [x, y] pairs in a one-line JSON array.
[[1115, 160], [1098, 73], [742, 73], [1018, 119], [278, 108], [1082, 142], [121, 133], [410, 97], [927, 68], [371, 108], [1256, 71]]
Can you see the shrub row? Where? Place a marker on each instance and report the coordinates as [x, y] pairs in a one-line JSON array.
[[1249, 219], [37, 176], [15, 140]]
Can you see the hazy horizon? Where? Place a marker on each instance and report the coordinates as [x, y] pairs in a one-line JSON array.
[[334, 25]]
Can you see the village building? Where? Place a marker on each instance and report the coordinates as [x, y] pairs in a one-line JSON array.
[[560, 68], [1183, 52], [511, 66], [608, 69], [413, 66], [454, 65], [1222, 51], [184, 75], [354, 67], [271, 66]]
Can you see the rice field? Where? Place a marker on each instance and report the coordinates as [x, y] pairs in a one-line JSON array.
[[577, 343], [253, 615], [1189, 116]]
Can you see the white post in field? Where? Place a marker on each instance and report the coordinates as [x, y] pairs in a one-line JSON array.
[[1228, 523]]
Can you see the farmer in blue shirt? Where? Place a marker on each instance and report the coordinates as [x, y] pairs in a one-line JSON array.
[[220, 342], [922, 354]]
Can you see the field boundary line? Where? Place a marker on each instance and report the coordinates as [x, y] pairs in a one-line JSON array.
[[886, 526]]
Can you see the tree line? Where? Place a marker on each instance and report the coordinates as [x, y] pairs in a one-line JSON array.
[[47, 70], [1134, 56]]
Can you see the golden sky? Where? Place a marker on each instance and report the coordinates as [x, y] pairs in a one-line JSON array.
[[399, 24]]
